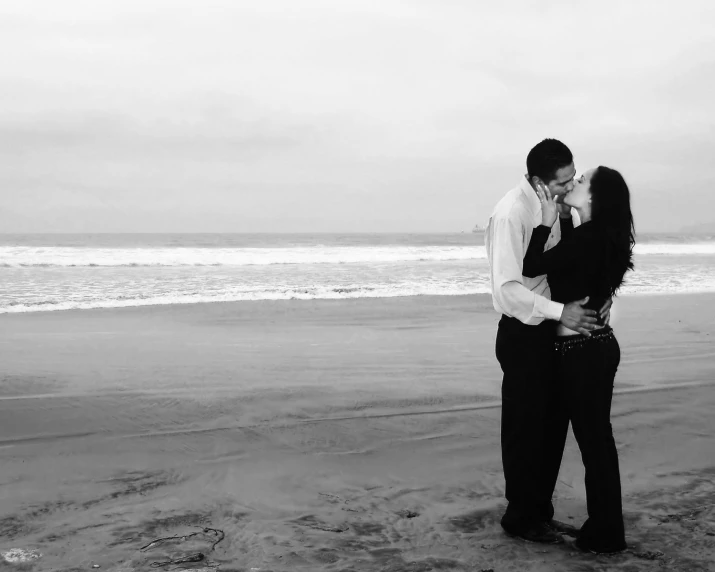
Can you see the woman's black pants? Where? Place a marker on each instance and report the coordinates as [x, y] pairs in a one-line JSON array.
[[587, 370]]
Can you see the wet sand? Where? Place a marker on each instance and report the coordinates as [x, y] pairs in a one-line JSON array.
[[329, 435]]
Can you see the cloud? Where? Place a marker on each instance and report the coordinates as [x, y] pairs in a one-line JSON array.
[[398, 115]]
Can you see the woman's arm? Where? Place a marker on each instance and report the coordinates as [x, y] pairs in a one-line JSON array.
[[563, 255], [538, 262]]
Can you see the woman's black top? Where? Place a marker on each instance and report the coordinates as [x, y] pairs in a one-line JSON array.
[[576, 267]]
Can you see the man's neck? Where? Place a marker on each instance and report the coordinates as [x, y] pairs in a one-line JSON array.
[[533, 188]]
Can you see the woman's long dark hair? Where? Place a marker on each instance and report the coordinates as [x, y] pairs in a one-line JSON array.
[[611, 212]]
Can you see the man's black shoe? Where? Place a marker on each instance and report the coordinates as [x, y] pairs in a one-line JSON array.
[[563, 528], [536, 533]]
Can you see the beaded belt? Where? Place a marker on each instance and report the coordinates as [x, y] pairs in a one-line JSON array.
[[566, 343]]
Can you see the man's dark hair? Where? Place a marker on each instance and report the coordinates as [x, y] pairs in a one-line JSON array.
[[546, 158]]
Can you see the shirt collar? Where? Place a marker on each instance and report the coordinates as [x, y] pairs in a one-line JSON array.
[[531, 198]]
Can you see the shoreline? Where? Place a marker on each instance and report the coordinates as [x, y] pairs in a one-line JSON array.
[[446, 339], [477, 295]]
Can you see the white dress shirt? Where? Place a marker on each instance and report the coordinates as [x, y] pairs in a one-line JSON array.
[[506, 239]]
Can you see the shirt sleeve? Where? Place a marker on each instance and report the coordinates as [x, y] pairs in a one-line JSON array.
[[506, 257], [563, 255]]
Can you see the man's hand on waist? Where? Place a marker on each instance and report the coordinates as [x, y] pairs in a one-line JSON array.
[[576, 317]]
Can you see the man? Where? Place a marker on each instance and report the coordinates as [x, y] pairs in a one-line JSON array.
[[533, 424]]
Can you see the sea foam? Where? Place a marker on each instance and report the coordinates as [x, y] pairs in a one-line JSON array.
[[87, 257], [28, 257]]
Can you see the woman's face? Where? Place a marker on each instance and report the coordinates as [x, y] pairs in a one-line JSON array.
[[581, 194]]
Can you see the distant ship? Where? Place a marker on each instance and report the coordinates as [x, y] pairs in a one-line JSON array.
[[478, 228]]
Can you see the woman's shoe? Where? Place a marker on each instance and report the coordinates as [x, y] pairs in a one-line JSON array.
[[586, 546]]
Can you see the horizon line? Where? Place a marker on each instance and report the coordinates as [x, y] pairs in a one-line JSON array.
[[480, 231]]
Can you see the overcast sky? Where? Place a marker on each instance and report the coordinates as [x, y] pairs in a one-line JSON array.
[[343, 115]]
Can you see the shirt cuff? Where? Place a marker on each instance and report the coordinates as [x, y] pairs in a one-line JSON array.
[[553, 310]]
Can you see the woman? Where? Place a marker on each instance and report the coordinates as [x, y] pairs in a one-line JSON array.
[[590, 261]]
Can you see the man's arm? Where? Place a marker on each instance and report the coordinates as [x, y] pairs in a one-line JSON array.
[[506, 255]]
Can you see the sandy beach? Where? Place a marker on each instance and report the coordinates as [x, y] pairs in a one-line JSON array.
[[346, 435]]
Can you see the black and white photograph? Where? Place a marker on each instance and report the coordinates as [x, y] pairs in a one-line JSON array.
[[357, 286]]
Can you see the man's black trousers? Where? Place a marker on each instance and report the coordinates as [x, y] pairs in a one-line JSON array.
[[534, 421]]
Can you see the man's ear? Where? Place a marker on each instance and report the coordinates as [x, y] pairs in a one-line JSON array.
[[536, 181]]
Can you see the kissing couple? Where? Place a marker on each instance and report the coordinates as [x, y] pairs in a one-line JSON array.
[[558, 248]]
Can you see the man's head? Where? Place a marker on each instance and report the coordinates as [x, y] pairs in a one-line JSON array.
[[551, 163]]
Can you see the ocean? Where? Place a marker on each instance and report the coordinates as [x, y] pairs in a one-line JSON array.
[[83, 271]]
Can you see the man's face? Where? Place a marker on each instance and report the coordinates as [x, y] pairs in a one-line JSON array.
[[563, 183]]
